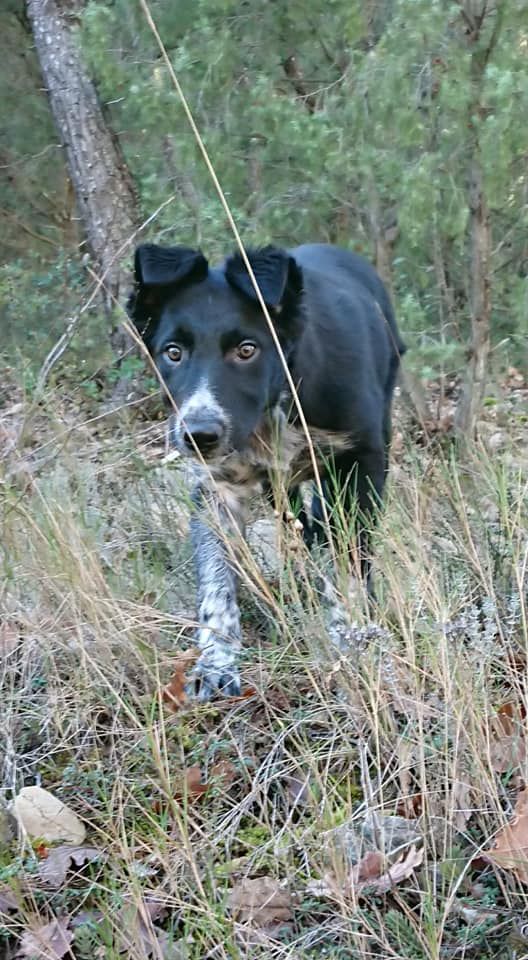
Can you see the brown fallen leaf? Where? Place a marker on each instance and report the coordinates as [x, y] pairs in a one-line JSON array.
[[262, 902], [50, 941], [136, 927], [54, 868], [9, 638], [401, 870], [366, 878], [223, 774], [370, 867], [375, 831], [508, 737], [511, 844], [461, 804], [297, 790], [174, 695], [192, 786]]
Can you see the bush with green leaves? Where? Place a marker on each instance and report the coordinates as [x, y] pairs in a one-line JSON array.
[[320, 121]]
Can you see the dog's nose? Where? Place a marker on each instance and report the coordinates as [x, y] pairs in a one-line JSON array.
[[204, 436]]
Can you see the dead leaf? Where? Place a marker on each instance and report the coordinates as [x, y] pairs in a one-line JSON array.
[[366, 878], [297, 790], [401, 870], [511, 844], [508, 737], [87, 916], [42, 815], [246, 694], [223, 773], [136, 927], [370, 867], [375, 831], [461, 804], [192, 786], [54, 868], [9, 637], [174, 695], [262, 902], [50, 941], [410, 804], [8, 900]]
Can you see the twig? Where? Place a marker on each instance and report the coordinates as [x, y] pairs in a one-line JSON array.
[[57, 351]]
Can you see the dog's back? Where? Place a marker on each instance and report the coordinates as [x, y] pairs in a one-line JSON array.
[[348, 353]]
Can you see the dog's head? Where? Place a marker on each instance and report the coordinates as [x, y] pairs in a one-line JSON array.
[[211, 342]]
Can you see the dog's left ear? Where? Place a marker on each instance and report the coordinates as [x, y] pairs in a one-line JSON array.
[[276, 272]]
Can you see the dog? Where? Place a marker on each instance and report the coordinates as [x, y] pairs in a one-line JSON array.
[[218, 361]]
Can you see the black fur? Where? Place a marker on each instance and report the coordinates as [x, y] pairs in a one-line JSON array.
[[336, 325]]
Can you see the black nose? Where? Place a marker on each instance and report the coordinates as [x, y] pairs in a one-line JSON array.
[[205, 436]]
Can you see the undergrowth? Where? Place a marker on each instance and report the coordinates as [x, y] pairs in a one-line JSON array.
[[97, 604]]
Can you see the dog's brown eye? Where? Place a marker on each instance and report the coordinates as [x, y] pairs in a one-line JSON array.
[[246, 350], [174, 352]]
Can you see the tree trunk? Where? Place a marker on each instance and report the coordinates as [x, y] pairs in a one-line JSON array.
[[104, 192], [475, 383], [384, 231], [475, 20]]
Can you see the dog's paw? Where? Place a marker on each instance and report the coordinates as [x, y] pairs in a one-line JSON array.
[[210, 679]]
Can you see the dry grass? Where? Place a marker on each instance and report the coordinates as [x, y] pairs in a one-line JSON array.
[[97, 600]]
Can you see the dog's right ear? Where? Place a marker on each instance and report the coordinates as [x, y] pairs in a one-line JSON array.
[[158, 273]]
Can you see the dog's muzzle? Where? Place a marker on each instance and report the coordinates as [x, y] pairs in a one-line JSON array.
[[202, 435]]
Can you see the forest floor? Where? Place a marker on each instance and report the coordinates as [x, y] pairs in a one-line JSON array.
[[374, 805]]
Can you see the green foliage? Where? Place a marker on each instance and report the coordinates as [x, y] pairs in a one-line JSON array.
[[35, 201], [35, 301], [372, 122], [387, 132]]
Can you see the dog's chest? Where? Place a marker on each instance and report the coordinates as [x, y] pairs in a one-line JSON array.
[[279, 450]]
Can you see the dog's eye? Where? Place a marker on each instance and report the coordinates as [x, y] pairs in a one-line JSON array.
[[246, 350], [174, 352]]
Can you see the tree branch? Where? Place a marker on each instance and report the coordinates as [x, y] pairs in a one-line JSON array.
[[295, 75]]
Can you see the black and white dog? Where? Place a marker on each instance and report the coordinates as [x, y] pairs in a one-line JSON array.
[[214, 351]]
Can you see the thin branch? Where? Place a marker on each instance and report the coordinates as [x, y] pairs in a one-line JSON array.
[[29, 157], [62, 343], [23, 226], [296, 77]]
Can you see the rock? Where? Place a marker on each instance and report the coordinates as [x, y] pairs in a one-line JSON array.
[[387, 834], [497, 441], [40, 814]]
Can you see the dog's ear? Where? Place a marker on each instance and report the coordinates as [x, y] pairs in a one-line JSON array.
[[158, 272], [276, 272], [163, 266]]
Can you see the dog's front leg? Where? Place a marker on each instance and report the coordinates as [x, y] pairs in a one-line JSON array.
[[213, 524]]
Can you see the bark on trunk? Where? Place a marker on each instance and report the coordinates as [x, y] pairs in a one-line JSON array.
[[475, 383], [105, 196], [480, 226], [384, 231]]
